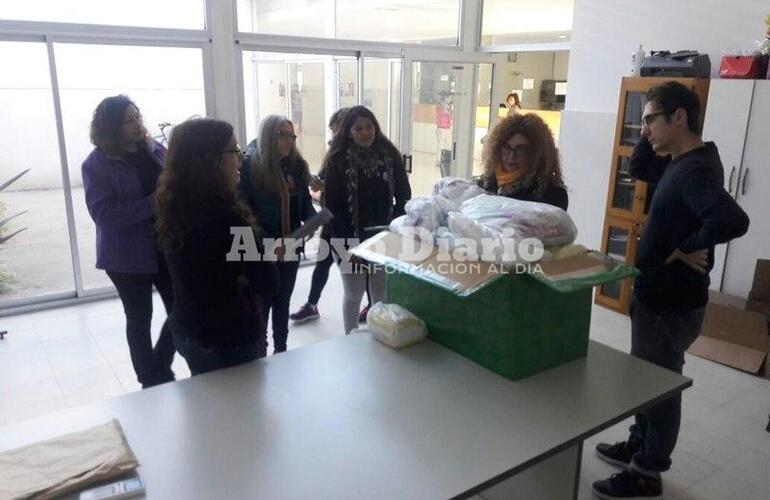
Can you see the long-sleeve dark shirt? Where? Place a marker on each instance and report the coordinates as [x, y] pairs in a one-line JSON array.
[[210, 305], [690, 211], [376, 207]]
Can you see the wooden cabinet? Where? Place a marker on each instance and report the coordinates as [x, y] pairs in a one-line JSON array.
[[628, 200]]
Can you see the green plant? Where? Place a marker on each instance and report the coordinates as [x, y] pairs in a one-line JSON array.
[[5, 278]]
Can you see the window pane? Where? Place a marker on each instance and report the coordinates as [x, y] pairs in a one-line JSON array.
[[482, 112], [302, 87], [433, 22], [36, 261], [382, 91], [521, 21], [183, 14], [165, 83]]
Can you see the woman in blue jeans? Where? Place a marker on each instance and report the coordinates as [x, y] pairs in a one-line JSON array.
[[119, 179], [218, 318]]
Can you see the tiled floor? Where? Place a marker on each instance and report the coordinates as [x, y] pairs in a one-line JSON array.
[[71, 356]]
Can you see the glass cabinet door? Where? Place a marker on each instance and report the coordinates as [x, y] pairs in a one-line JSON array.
[[624, 190], [632, 118]]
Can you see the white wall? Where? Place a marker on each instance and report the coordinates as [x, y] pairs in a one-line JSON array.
[[604, 35]]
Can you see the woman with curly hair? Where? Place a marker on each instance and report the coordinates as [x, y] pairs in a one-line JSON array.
[[218, 318], [521, 161], [119, 178]]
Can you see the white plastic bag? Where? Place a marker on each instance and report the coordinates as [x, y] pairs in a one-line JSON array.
[[425, 211], [395, 326], [456, 190], [529, 219]]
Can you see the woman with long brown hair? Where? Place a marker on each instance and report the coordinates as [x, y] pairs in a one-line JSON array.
[[366, 186], [275, 186], [218, 318], [521, 161]]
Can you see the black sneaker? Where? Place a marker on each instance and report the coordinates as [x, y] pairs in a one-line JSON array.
[[618, 454], [628, 486], [305, 313]]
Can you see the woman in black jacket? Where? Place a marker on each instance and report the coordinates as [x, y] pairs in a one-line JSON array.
[[217, 319], [366, 186], [275, 185], [521, 161]]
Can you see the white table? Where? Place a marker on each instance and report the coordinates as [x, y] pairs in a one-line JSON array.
[[351, 418]]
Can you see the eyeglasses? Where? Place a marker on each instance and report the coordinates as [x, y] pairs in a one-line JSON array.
[[520, 151], [287, 136], [235, 150], [648, 119]]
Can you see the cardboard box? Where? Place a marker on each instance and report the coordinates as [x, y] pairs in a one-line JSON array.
[[514, 324], [759, 296]]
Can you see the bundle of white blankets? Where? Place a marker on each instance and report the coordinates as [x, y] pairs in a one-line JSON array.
[[461, 214]]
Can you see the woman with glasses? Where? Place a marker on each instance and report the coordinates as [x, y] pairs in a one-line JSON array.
[[119, 178], [366, 186], [521, 161], [218, 319], [275, 185]]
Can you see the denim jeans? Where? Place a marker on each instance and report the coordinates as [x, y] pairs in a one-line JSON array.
[[287, 276], [202, 359], [660, 337], [151, 365]]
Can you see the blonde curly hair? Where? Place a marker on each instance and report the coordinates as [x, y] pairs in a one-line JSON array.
[[544, 168]]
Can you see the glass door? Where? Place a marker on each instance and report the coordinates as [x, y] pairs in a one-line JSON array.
[[447, 115]]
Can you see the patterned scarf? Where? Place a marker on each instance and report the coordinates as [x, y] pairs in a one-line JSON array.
[[371, 162]]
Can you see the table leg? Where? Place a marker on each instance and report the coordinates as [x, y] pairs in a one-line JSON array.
[[555, 478]]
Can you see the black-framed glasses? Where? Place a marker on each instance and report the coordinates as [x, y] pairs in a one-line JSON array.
[[520, 151], [235, 150], [648, 119], [286, 135]]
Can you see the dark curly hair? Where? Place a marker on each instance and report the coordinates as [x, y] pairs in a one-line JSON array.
[[192, 176], [544, 166], [107, 123]]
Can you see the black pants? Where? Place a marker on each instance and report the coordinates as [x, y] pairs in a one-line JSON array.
[[321, 270], [152, 365], [205, 359], [287, 276]]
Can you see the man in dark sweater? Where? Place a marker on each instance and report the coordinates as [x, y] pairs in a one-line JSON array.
[[689, 214]]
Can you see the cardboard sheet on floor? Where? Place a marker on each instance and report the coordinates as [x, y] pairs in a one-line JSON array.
[[732, 336], [66, 464]]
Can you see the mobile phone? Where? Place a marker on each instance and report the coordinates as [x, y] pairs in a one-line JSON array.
[[125, 488]]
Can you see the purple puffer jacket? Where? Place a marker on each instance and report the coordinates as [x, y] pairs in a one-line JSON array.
[[125, 241]]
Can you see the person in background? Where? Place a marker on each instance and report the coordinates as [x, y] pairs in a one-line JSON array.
[[444, 121], [275, 184], [521, 161], [690, 214], [366, 186], [309, 311], [513, 104], [119, 178], [218, 319]]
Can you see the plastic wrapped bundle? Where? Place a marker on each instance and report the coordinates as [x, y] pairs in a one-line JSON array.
[[456, 190], [395, 326], [551, 225], [427, 211]]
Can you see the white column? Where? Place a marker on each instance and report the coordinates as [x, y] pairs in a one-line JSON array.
[[221, 21]]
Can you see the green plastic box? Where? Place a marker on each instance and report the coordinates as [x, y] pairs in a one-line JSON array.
[[516, 326]]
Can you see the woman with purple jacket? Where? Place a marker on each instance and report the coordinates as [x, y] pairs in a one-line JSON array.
[[119, 179]]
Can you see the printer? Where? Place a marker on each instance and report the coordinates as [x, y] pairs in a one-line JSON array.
[[685, 63]]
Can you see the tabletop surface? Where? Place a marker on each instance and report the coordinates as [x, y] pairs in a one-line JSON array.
[[352, 418]]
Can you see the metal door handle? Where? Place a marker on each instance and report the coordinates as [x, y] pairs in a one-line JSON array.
[[454, 151], [743, 186], [730, 182], [407, 163]]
